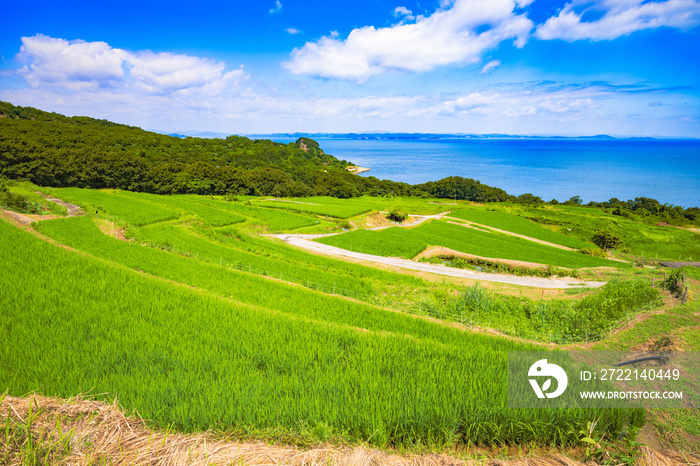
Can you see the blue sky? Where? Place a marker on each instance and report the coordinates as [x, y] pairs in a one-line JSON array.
[[580, 67]]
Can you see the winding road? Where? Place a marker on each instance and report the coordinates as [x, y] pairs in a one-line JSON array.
[[304, 242]]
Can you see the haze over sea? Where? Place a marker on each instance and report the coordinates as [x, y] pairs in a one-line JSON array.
[[596, 170]]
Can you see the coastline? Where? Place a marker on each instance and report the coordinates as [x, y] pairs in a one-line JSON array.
[[355, 170]]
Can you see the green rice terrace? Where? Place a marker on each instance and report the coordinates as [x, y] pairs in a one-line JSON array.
[[203, 312]]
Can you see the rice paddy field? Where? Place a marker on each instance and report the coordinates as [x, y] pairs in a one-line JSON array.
[[408, 242], [242, 366], [196, 321], [346, 208], [517, 224], [132, 211], [638, 239]]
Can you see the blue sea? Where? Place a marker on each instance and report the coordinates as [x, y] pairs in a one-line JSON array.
[[596, 170]]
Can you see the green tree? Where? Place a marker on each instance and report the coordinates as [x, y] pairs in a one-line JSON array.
[[574, 200]]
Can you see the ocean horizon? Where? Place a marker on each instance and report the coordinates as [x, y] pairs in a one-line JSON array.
[[667, 170]]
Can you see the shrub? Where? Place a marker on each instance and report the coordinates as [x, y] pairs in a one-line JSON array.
[[397, 216]]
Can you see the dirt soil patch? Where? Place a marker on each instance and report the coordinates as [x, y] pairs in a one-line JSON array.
[[378, 219], [111, 229]]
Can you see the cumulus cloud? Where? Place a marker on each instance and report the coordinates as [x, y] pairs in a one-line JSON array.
[[76, 64], [293, 31], [618, 18], [95, 65], [457, 33]]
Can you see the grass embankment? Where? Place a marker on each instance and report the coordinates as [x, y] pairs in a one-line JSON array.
[[183, 238], [262, 220], [283, 362], [325, 206], [407, 243], [591, 318]]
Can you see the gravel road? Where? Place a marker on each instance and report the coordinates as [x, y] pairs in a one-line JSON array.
[[303, 241]]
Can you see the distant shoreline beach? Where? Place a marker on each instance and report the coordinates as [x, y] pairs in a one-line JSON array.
[[355, 170]]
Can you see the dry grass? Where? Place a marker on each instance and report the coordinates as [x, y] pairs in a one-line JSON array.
[[81, 431]]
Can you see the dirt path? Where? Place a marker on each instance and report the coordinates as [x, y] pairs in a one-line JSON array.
[[27, 219], [73, 210], [21, 218], [537, 282]]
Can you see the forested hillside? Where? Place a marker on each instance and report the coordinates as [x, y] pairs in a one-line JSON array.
[[54, 150]]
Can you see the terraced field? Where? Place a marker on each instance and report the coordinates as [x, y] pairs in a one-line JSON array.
[[128, 209], [517, 224], [637, 239], [258, 355], [286, 363], [346, 208], [407, 243]]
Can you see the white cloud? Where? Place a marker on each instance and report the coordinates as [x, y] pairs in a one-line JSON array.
[[167, 72], [620, 17], [459, 33], [76, 64], [476, 102], [490, 66], [402, 11], [292, 31], [277, 8], [95, 65]]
